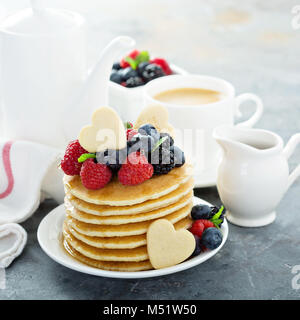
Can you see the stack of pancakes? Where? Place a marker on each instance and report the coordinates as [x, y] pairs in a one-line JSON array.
[[107, 228]]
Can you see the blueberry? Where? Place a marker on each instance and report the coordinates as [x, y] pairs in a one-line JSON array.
[[211, 238], [179, 157], [128, 73], [152, 71], [201, 211], [142, 67], [141, 142], [198, 249], [134, 82], [116, 76], [112, 158], [149, 129], [116, 66]]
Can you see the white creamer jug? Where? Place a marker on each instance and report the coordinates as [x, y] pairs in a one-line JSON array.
[[254, 173]]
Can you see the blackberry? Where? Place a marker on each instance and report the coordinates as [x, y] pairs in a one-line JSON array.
[[128, 73], [162, 161], [141, 68], [112, 158], [152, 71], [168, 142], [134, 82]]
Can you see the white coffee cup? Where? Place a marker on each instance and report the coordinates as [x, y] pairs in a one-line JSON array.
[[194, 124]]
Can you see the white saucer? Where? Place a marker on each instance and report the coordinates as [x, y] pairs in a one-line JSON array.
[[49, 237]]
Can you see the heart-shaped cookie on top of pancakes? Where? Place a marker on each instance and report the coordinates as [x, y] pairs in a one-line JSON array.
[[166, 246], [105, 133]]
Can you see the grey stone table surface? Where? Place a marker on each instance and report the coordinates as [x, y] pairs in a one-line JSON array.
[[255, 46]]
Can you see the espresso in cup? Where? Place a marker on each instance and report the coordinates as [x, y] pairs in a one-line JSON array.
[[189, 96]]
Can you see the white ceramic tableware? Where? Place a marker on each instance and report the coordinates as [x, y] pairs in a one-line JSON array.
[[253, 174], [47, 92], [50, 239], [195, 123]]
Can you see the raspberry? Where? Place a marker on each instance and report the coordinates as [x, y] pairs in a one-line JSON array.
[[69, 163], [163, 64], [94, 175], [130, 133], [197, 228], [206, 223], [133, 54], [136, 170]]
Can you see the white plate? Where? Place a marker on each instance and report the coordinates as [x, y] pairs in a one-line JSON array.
[[49, 237]]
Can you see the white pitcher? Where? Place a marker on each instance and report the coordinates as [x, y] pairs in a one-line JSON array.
[[47, 94], [254, 173]]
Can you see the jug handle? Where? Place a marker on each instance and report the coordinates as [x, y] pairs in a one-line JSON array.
[[257, 114], [287, 152]]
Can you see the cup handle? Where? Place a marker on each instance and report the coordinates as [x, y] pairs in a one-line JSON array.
[[257, 114], [288, 151]]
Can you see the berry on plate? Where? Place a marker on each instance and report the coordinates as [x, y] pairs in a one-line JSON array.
[[201, 211], [136, 170], [69, 163], [133, 54], [130, 133], [133, 82], [163, 64], [197, 228], [152, 71], [198, 248], [211, 238], [94, 175]]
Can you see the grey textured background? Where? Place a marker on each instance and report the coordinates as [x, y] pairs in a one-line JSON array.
[[253, 45]]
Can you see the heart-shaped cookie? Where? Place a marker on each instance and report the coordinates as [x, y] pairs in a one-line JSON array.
[[158, 116], [166, 246], [106, 132]]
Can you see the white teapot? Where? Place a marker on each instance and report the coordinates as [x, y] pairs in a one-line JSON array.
[[47, 94]]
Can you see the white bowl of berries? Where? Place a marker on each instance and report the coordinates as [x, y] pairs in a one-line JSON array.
[[128, 77]]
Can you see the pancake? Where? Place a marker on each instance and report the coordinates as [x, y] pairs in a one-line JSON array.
[[105, 210], [124, 229], [108, 265], [136, 254], [124, 219], [122, 242], [116, 194]]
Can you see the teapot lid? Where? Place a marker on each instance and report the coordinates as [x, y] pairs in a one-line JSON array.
[[41, 21]]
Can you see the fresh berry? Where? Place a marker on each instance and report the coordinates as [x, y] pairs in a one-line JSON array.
[[116, 76], [211, 238], [112, 158], [116, 66], [141, 67], [128, 125], [152, 71], [141, 142], [133, 54], [94, 175], [198, 248], [136, 170], [168, 142], [201, 211], [163, 64], [162, 160], [197, 228], [149, 129], [206, 223], [69, 163], [134, 82], [179, 158], [130, 133], [128, 73]]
